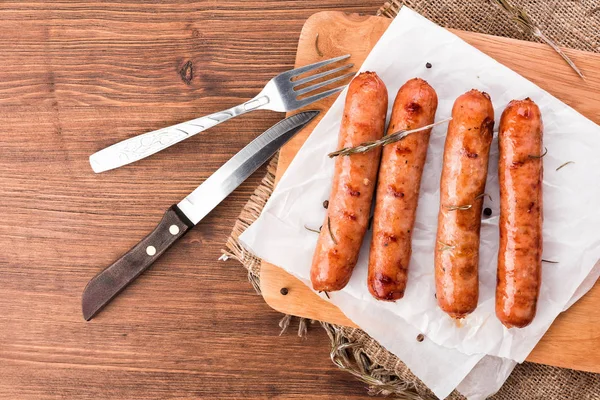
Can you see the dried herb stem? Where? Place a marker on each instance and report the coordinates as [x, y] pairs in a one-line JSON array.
[[330, 231], [565, 164], [446, 246], [483, 195], [542, 156], [392, 138], [312, 230], [459, 208], [550, 261], [519, 16]]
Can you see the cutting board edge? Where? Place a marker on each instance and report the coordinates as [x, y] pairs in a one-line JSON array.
[[587, 61]]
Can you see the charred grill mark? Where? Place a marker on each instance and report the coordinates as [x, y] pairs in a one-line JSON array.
[[413, 107], [469, 154], [487, 126], [403, 150], [530, 207], [395, 192], [349, 215], [388, 238], [383, 278], [351, 191]]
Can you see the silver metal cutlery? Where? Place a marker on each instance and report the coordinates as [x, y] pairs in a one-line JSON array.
[[181, 217], [285, 92]]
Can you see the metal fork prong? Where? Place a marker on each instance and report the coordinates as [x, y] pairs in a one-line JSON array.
[[321, 75], [319, 96], [310, 67], [321, 84]]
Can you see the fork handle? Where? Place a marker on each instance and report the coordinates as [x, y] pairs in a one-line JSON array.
[[144, 145]]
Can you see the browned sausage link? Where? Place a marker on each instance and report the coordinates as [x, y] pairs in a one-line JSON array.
[[353, 185], [520, 170], [464, 172], [398, 185]]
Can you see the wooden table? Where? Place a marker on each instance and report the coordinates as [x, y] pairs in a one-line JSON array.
[[77, 76]]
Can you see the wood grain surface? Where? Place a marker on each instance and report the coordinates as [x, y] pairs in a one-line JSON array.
[[573, 341], [77, 76]]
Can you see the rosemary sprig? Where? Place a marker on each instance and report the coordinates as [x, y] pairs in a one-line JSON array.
[[549, 261], [519, 16], [317, 46], [394, 137], [330, 231], [459, 208], [542, 156], [483, 195], [446, 246], [467, 206], [565, 164], [312, 230]]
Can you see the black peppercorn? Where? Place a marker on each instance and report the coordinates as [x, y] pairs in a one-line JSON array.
[[428, 65], [487, 212], [420, 337], [326, 204], [284, 291]]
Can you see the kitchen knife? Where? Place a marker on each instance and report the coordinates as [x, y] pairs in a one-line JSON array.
[[181, 217]]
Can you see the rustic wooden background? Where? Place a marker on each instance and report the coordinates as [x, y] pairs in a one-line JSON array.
[[77, 76]]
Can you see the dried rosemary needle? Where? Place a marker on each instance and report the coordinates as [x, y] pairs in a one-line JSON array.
[[392, 138], [565, 164], [312, 230], [330, 231], [483, 195], [459, 208], [519, 16], [541, 156], [446, 246]]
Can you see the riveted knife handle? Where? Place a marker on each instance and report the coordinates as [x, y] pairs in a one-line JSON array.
[[110, 282]]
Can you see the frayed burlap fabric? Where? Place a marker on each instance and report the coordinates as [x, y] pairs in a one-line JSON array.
[[569, 23], [572, 23]]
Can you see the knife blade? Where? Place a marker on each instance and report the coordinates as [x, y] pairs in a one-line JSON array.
[[181, 217]]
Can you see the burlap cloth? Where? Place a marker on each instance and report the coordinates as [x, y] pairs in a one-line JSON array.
[[571, 23]]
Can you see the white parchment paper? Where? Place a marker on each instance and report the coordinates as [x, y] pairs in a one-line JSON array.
[[571, 209]]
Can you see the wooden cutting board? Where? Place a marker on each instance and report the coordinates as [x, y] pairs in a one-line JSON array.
[[573, 341]]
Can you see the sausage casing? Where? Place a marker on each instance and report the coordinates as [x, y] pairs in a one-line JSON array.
[[462, 186], [397, 193], [520, 172], [353, 185]]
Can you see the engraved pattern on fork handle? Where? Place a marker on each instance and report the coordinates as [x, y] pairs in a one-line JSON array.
[[142, 146]]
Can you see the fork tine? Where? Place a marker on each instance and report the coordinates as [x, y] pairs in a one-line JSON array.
[[319, 96], [295, 72], [321, 75], [321, 84]]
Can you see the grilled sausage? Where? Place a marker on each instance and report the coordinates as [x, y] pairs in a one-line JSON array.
[[464, 173], [353, 185], [398, 186], [520, 170]]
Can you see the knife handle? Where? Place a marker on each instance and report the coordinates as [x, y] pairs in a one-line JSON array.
[[110, 282]]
